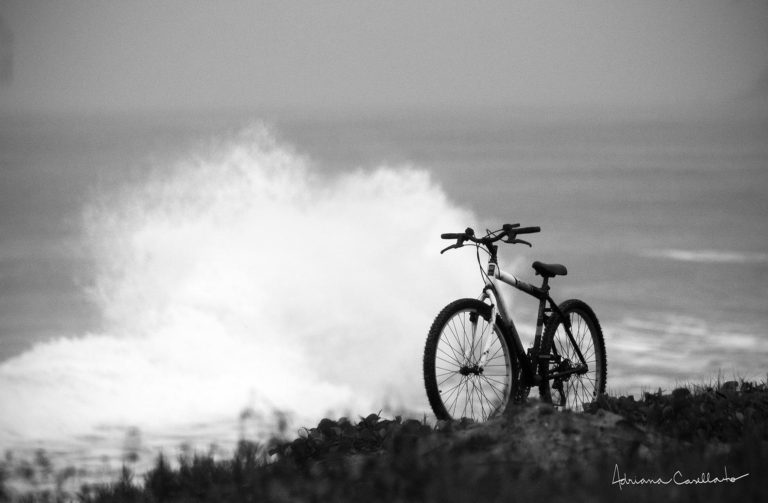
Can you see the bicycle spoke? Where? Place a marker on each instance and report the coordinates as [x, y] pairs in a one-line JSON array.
[[494, 388], [451, 375], [452, 367], [485, 401], [450, 362], [456, 393], [455, 358], [477, 392], [493, 356], [459, 344], [452, 389], [466, 401], [489, 378], [490, 402]]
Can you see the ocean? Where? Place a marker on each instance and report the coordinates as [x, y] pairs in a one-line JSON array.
[[170, 279]]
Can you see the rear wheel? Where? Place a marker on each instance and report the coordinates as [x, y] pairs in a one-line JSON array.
[[469, 368], [566, 381]]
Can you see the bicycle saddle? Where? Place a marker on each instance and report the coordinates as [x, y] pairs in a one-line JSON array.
[[549, 270]]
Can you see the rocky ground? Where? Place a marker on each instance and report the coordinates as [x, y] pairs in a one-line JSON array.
[[706, 444]]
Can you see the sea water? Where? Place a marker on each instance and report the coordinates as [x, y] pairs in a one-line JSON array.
[[194, 278]]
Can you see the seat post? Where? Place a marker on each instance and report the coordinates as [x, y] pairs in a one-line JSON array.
[[545, 284]]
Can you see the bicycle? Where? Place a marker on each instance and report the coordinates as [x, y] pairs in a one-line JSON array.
[[475, 365]]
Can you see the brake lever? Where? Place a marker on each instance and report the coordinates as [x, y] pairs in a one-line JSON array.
[[521, 241], [458, 244], [450, 247]]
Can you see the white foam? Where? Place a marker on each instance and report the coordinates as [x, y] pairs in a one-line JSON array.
[[242, 277]]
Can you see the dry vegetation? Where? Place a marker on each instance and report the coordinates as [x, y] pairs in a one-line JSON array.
[[665, 447]]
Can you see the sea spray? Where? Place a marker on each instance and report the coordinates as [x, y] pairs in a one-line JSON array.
[[244, 276]]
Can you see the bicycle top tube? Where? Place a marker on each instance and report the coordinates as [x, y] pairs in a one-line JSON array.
[[495, 271]]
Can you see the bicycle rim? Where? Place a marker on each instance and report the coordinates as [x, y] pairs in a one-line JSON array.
[[473, 370]]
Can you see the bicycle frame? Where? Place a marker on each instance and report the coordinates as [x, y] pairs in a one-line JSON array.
[[529, 361]]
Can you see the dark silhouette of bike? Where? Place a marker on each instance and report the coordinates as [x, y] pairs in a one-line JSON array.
[[474, 362]]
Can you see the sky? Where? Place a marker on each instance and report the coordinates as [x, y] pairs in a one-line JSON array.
[[190, 54]]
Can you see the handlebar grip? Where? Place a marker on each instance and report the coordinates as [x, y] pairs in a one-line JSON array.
[[527, 230], [453, 235]]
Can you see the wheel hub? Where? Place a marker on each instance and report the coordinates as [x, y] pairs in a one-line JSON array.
[[475, 369]]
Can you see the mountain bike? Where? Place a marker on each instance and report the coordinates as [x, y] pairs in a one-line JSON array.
[[475, 364]]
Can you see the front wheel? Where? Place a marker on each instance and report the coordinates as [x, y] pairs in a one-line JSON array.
[[568, 381], [469, 368]]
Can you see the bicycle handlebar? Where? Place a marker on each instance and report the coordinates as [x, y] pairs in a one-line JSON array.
[[526, 230], [510, 231]]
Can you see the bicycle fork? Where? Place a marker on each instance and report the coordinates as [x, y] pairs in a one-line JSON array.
[[486, 349], [470, 349]]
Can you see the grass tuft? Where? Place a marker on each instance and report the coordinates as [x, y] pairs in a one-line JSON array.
[[534, 453]]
